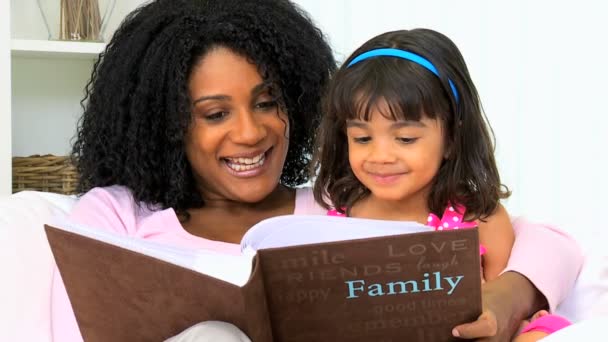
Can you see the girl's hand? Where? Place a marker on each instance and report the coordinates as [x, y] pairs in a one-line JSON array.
[[531, 336], [502, 314]]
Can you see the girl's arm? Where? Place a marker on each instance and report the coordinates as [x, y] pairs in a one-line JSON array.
[[497, 236]]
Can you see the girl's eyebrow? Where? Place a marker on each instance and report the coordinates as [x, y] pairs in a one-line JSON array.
[[355, 123], [395, 125], [407, 123]]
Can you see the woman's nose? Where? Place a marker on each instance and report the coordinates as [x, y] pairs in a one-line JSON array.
[[249, 129]]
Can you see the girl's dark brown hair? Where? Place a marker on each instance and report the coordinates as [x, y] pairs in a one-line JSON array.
[[467, 176]]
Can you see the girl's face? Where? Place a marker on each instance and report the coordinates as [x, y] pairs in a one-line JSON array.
[[237, 142], [395, 160]]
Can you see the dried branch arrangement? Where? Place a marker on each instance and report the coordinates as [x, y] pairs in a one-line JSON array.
[[80, 20]]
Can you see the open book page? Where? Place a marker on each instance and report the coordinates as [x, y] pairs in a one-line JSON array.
[[293, 230], [281, 231], [233, 269]]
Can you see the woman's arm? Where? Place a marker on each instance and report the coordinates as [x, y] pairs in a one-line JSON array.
[[542, 269], [548, 257]]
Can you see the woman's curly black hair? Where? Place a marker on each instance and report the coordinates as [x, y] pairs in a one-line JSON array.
[[137, 109]]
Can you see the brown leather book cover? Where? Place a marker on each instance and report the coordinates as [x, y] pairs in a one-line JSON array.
[[120, 295], [415, 287]]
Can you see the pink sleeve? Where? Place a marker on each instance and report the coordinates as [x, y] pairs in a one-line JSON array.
[[111, 208], [105, 208], [548, 257]]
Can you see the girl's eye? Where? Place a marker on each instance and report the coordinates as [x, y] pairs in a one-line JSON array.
[[217, 116], [362, 140], [407, 140], [266, 105]]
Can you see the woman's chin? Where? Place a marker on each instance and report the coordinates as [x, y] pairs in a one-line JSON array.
[[255, 194]]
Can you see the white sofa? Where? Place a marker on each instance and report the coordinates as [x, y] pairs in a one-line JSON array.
[[28, 263], [26, 282]]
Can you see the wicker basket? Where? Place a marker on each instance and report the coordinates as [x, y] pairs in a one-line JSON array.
[[47, 173]]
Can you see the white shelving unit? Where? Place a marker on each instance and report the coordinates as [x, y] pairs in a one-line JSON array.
[[40, 101], [30, 48], [47, 85]]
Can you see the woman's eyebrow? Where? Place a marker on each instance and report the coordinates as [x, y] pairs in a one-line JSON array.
[[260, 88], [255, 91], [211, 97]]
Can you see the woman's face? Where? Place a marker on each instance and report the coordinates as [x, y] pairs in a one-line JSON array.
[[238, 139]]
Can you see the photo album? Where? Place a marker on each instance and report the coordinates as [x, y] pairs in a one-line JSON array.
[[298, 278]]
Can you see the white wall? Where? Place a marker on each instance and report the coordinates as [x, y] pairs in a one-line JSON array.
[[46, 103], [5, 100]]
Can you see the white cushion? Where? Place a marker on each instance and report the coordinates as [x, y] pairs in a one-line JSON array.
[[592, 329], [589, 298], [27, 264]]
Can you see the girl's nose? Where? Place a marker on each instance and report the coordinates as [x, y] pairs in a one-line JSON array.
[[381, 153]]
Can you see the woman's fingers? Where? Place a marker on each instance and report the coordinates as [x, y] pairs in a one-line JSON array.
[[484, 326]]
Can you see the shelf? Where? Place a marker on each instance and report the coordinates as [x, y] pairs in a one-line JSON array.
[[55, 49]]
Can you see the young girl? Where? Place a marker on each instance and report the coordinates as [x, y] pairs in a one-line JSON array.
[[404, 138]]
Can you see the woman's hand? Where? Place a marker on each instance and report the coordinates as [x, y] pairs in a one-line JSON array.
[[486, 326], [507, 301]]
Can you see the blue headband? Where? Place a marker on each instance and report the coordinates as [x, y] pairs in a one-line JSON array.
[[405, 55]]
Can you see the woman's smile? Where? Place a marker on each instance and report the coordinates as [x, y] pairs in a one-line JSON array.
[[247, 166]]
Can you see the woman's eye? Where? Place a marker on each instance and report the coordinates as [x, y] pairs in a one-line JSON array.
[[362, 140], [266, 105], [404, 140], [217, 116]]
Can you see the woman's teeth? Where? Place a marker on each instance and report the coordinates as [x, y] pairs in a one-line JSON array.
[[244, 164]]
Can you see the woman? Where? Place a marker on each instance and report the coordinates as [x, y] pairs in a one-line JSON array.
[[198, 124]]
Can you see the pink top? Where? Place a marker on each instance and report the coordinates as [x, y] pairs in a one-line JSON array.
[[547, 324], [113, 208], [453, 218]]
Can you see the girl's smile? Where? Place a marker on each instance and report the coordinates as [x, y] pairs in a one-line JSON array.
[[387, 178]]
